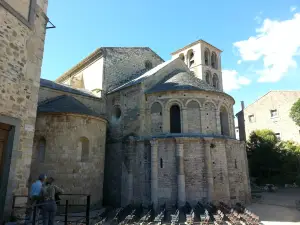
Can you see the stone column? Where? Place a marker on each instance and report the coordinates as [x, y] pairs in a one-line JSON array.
[[209, 170], [166, 120], [180, 173], [130, 169], [154, 173]]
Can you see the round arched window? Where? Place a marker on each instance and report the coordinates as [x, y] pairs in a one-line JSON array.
[[116, 113]]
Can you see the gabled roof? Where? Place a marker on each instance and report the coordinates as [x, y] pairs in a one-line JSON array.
[[178, 81], [142, 77], [269, 92], [87, 60], [65, 104], [65, 88], [98, 53]]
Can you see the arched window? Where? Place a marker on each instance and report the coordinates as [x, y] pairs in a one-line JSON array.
[[84, 147], [208, 77], [206, 57], [214, 60], [215, 81], [224, 121], [191, 60], [116, 113], [175, 119], [42, 150], [181, 56]]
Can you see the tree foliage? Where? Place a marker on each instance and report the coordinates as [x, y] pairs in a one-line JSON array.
[[272, 161], [295, 112]]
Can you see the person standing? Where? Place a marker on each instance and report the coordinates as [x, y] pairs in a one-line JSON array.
[[49, 205], [35, 196]]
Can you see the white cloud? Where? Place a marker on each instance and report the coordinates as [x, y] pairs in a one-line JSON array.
[[239, 61], [276, 43], [293, 8], [232, 81]]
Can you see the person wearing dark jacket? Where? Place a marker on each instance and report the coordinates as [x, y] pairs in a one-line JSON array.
[[49, 192]]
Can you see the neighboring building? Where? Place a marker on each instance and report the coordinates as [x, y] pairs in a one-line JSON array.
[[271, 111], [22, 36], [171, 135]]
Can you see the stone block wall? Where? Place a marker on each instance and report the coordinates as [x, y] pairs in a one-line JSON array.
[[281, 124], [113, 174], [200, 112], [196, 185], [220, 171], [167, 174], [124, 64], [238, 171], [22, 47], [73, 152], [129, 102], [209, 171]]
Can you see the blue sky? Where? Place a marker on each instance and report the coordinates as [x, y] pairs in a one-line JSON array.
[[260, 39]]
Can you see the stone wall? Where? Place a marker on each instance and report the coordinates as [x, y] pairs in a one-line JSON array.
[[113, 174], [73, 152], [167, 172], [124, 64], [22, 47], [209, 164], [200, 112], [237, 171], [195, 171], [130, 103], [281, 124]]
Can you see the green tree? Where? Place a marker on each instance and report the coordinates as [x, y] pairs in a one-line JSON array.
[[295, 112], [263, 155]]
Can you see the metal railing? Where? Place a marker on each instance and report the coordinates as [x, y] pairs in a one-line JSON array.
[[65, 217]]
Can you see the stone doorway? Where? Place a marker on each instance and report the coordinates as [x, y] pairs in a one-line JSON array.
[[6, 143], [4, 130]]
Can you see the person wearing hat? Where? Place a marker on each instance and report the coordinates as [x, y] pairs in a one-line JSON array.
[[35, 196]]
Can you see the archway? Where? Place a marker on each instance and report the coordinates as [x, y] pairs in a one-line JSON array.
[[175, 119]]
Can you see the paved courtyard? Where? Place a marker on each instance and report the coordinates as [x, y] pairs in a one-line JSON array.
[[279, 207]]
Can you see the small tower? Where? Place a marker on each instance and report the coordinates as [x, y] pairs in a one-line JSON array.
[[204, 60]]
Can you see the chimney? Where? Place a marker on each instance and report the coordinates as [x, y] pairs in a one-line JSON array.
[[243, 105]]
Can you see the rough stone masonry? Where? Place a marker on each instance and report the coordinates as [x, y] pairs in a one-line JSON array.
[[22, 46]]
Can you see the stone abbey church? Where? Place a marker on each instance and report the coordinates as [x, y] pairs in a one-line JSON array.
[[122, 125]]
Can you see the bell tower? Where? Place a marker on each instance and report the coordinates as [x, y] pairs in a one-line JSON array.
[[204, 60]]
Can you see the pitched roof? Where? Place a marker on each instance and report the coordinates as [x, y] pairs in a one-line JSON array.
[[65, 88], [178, 81], [142, 77], [269, 92], [65, 104], [87, 60]]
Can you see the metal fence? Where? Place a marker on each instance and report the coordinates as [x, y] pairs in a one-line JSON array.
[[66, 212]]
